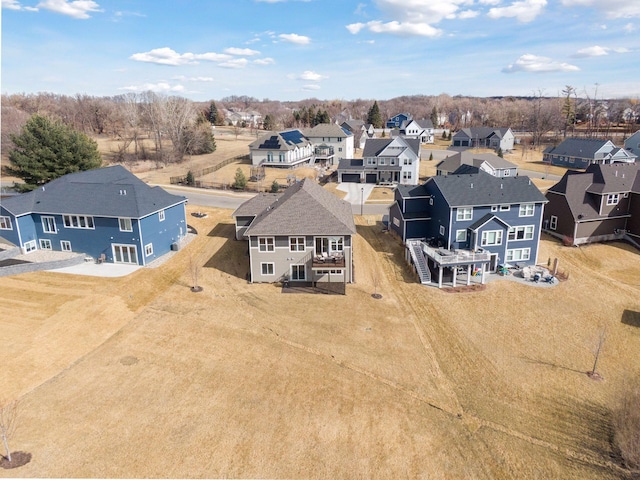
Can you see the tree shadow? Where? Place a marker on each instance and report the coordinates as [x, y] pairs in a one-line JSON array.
[[552, 365], [631, 318], [232, 257]]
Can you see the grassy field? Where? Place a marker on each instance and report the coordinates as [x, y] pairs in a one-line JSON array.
[[140, 377]]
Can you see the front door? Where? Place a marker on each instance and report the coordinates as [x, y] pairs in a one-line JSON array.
[[493, 264], [125, 254]]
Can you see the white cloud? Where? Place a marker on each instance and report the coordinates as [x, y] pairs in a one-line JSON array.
[[524, 11], [630, 28], [11, 4], [537, 64], [311, 87], [468, 14], [396, 28], [161, 87], [294, 38], [247, 52], [489, 2], [234, 63], [79, 9], [420, 11], [264, 61], [598, 51], [167, 56], [183, 78], [311, 76], [611, 8]]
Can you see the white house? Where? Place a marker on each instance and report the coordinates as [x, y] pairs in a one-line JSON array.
[[281, 149], [332, 143]]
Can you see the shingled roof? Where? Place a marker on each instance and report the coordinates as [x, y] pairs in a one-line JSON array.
[[103, 192], [375, 146], [328, 130], [280, 141], [484, 189], [578, 147], [453, 162], [304, 208]]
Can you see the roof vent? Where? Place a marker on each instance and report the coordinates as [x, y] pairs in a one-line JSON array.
[[472, 185], [501, 186], [43, 188]]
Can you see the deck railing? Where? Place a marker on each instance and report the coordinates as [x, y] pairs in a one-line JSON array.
[[449, 257]]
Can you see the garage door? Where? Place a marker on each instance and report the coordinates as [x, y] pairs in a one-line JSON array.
[[372, 178], [351, 177]]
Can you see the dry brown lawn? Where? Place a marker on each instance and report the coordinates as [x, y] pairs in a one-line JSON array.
[[139, 377]]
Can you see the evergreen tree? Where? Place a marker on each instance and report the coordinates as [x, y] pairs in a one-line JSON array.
[[431, 156], [322, 117], [240, 181], [275, 187], [190, 178], [444, 134], [374, 117], [500, 153], [46, 150], [434, 117], [213, 113], [268, 123]]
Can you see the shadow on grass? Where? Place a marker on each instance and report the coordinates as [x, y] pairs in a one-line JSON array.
[[551, 364], [631, 318], [385, 243], [232, 257]]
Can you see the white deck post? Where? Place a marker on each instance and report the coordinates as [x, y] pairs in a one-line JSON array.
[[455, 274], [468, 274], [439, 276], [484, 270]]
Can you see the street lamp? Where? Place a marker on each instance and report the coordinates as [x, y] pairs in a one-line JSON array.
[[361, 200]]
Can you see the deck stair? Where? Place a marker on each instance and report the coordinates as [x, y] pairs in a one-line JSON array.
[[420, 262]]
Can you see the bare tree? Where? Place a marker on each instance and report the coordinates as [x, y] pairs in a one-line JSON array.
[[626, 424], [8, 422], [599, 344]]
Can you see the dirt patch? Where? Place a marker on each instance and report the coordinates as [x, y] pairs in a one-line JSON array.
[[18, 459], [466, 288]]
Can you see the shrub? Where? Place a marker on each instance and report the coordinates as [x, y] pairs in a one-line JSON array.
[[275, 187], [240, 181]]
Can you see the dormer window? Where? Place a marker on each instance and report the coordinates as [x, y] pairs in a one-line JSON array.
[[613, 198]]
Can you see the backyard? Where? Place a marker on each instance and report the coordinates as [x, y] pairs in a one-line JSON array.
[[139, 377]]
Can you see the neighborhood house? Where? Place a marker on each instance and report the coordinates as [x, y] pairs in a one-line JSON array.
[[469, 162], [495, 138], [107, 213], [582, 152]]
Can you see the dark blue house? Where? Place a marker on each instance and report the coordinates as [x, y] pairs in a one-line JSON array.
[[470, 221], [107, 213], [398, 120]]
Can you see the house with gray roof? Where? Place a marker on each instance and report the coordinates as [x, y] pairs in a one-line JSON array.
[[474, 222], [304, 234], [106, 213], [387, 161], [286, 149], [331, 142], [486, 137], [632, 144], [470, 162], [582, 152], [599, 204], [421, 129]]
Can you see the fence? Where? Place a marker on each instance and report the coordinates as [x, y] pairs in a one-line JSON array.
[[205, 171]]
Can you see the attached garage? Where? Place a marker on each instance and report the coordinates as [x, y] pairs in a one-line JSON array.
[[350, 177], [372, 178]]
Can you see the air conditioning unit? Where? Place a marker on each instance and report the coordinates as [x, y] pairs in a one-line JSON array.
[[175, 247]]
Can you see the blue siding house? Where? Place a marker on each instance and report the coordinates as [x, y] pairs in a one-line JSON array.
[[398, 120], [107, 213], [472, 221], [582, 152]]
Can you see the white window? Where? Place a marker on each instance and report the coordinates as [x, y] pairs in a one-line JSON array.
[[5, 223], [464, 214], [161, 215], [527, 210], [392, 161], [125, 225], [491, 237], [382, 161], [267, 268], [298, 272], [296, 244], [396, 221], [148, 249], [553, 223], [518, 254], [49, 224], [408, 161], [506, 173], [270, 157], [65, 245], [78, 221], [613, 199], [266, 244], [337, 244], [505, 208], [30, 246], [494, 208], [406, 175], [371, 161], [461, 235], [521, 233], [442, 230], [45, 244]]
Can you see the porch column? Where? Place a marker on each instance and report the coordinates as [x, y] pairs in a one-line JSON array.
[[484, 271], [439, 276], [468, 274], [455, 274]]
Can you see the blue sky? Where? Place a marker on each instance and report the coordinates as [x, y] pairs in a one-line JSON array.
[[328, 49]]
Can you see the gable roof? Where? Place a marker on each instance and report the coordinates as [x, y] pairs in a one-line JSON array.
[[453, 162], [287, 140], [423, 123], [103, 192], [486, 219], [352, 125], [579, 147], [481, 132], [328, 130], [374, 147], [598, 179], [484, 189], [304, 208]]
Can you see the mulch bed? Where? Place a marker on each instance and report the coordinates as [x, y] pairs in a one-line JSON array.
[[465, 288], [11, 261], [18, 459]]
